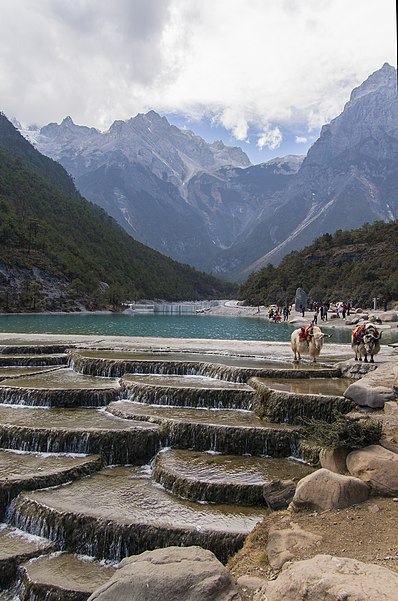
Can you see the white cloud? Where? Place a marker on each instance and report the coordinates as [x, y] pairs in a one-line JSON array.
[[301, 140], [246, 63], [270, 137]]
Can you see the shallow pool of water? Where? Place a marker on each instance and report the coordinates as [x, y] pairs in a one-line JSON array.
[[326, 386], [232, 469], [126, 495], [64, 419]]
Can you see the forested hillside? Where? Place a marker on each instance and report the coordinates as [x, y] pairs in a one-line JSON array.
[[355, 265], [59, 251]]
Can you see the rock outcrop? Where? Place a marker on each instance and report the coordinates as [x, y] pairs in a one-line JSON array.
[[331, 579], [324, 489], [377, 467], [334, 459], [183, 573], [283, 543], [375, 388]]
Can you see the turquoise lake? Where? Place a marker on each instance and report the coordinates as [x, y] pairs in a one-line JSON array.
[[164, 326]]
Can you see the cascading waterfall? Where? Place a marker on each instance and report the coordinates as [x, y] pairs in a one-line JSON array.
[[127, 443], [216, 398], [33, 360], [293, 408], [130, 446], [66, 398], [111, 540]]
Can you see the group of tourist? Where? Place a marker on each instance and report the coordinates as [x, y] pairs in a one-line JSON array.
[[276, 314], [319, 310]]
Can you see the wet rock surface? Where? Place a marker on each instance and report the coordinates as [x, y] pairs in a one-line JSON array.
[[228, 478], [28, 471], [15, 547], [119, 512], [62, 577]]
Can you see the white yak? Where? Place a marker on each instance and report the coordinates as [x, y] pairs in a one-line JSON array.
[[307, 340]]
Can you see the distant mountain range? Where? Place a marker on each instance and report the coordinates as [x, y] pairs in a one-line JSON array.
[[59, 251], [204, 204]]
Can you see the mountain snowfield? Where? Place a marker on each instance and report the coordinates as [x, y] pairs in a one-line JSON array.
[[206, 205]]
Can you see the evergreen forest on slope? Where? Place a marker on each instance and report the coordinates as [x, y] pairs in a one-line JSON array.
[[60, 252], [356, 265]]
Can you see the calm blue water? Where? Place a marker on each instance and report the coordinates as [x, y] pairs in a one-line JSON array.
[[164, 326]]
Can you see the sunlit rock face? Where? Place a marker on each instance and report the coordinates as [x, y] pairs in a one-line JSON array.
[[173, 573], [349, 175]]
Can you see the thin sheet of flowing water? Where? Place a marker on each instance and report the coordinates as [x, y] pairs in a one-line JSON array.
[[16, 465], [231, 469], [325, 386], [63, 378], [128, 495], [217, 417], [69, 571], [14, 541], [64, 419], [184, 382]]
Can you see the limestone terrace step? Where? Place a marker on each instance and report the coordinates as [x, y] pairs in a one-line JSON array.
[[226, 431], [29, 471], [15, 547], [35, 360], [63, 576], [215, 478], [88, 431], [187, 391], [119, 512], [59, 388], [33, 349]]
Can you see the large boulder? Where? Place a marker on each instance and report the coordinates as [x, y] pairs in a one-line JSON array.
[[334, 459], [366, 395], [389, 420], [377, 467], [183, 573], [324, 489], [331, 579], [376, 388], [389, 316]]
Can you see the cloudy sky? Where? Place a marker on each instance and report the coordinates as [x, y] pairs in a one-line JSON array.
[[264, 74]]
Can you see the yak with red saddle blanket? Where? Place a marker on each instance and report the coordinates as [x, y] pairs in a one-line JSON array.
[[365, 341], [307, 340]]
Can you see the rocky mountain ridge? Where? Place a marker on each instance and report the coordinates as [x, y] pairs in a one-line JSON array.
[[204, 204], [59, 251]]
